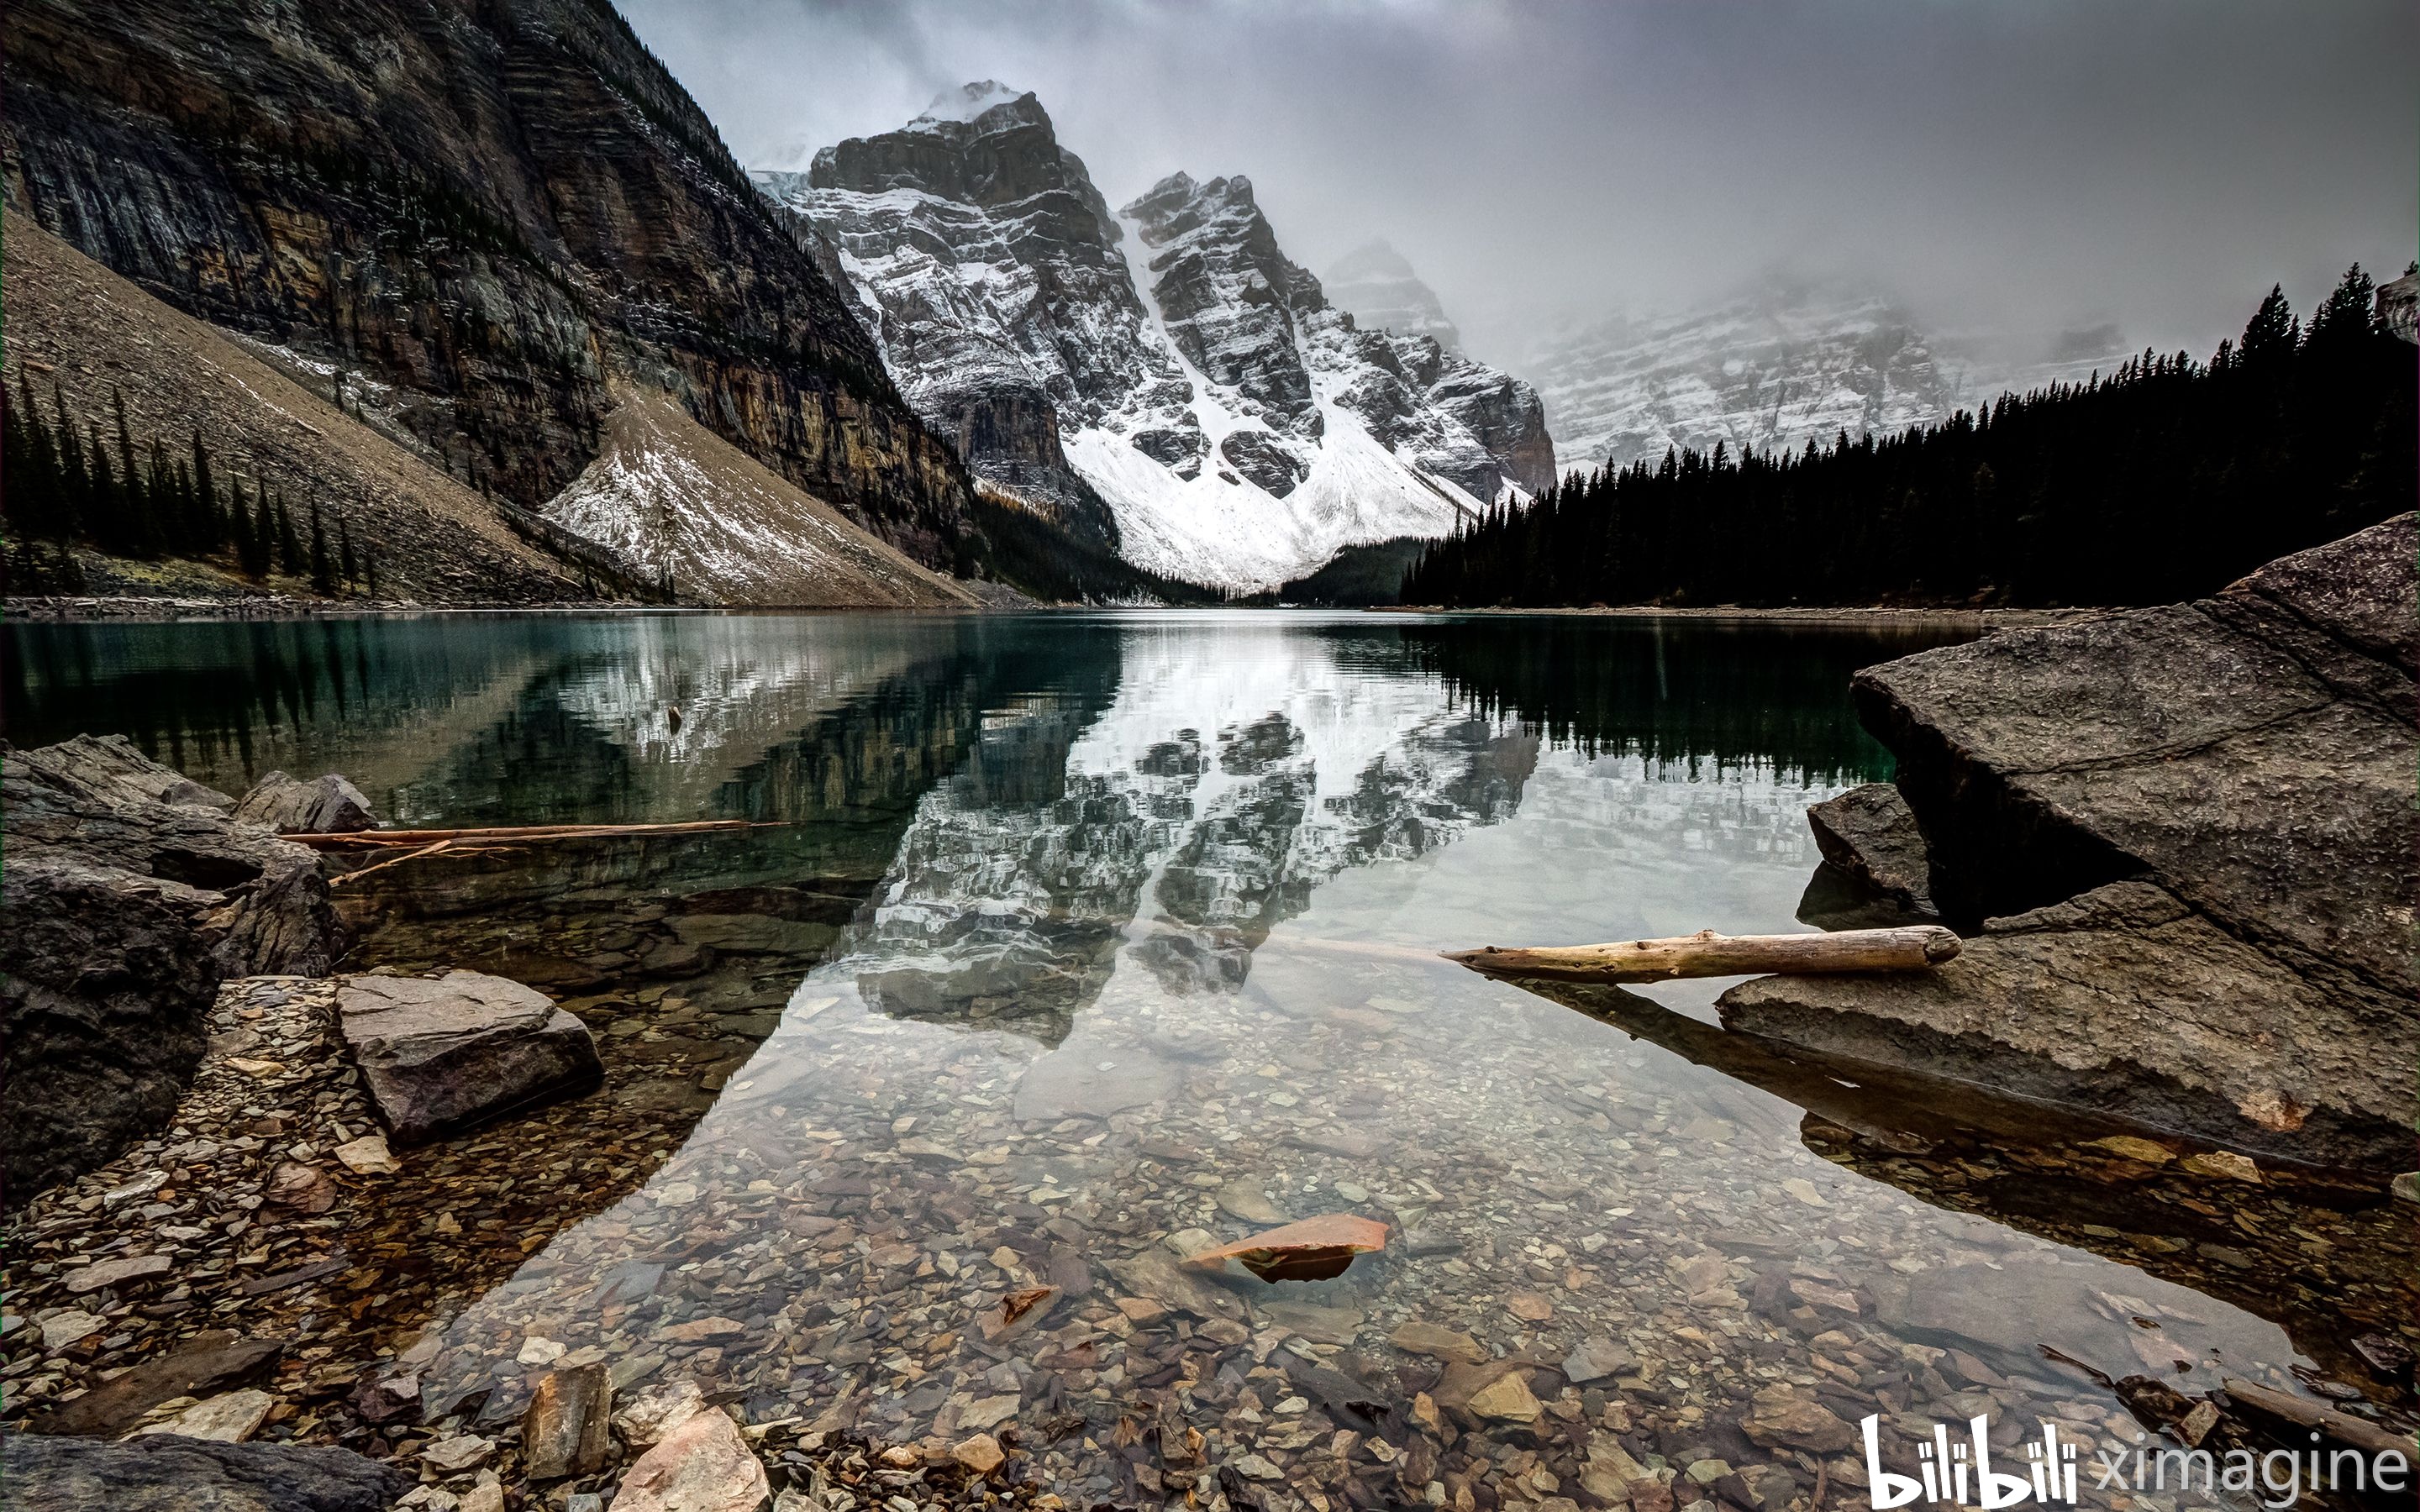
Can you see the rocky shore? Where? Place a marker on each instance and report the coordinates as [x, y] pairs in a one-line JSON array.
[[2179, 842], [132, 893]]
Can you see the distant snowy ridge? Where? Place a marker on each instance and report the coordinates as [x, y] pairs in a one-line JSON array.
[[1777, 369], [1162, 379]]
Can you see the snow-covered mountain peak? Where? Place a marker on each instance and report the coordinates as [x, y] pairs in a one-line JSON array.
[[1186, 393]]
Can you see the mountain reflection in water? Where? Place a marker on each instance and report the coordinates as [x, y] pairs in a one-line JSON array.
[[1079, 934]]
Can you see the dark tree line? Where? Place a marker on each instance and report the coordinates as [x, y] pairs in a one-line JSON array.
[[1038, 558], [2163, 480], [72, 480]]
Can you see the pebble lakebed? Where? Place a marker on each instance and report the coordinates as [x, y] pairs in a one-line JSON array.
[[1618, 1286]]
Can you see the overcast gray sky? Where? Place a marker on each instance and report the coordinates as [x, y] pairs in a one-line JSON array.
[[2021, 165]]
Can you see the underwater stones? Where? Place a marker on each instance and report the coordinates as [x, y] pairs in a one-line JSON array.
[[1089, 1080], [1242, 1198], [1417, 1337], [1506, 1399], [444, 1054], [1156, 1276], [1783, 1415], [564, 1429], [648, 1415], [1596, 1359], [326, 805]]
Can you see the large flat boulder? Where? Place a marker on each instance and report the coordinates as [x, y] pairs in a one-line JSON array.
[[444, 1054], [2252, 753], [2183, 841], [168, 1472], [129, 893], [2126, 1001]]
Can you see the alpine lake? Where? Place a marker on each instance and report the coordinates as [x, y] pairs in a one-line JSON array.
[[1064, 946]]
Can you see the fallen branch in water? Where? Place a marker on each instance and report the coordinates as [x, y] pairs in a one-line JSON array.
[[392, 860], [1708, 954], [391, 839]]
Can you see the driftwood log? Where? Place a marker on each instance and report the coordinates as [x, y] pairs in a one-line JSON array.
[[1708, 954], [359, 840]]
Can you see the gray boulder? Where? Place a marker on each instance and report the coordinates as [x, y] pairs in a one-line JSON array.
[[2124, 1000], [165, 1472], [444, 1054], [1870, 835], [131, 892], [2185, 840], [2252, 753], [105, 978], [325, 805]]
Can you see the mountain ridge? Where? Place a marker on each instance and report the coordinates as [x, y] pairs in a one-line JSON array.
[[1162, 378], [501, 211]]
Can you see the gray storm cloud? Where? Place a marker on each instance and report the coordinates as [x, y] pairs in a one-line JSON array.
[[2021, 166]]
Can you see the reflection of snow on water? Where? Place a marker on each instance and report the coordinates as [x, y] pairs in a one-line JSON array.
[[869, 1184]]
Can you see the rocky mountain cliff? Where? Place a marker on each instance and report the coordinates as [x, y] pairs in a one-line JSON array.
[[497, 209], [1776, 369], [989, 274], [1164, 378]]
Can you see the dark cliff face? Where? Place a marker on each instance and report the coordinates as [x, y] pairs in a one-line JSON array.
[[501, 206], [1046, 334], [1231, 298]]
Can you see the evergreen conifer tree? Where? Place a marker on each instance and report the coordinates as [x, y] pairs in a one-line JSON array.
[[323, 569], [2272, 333], [290, 544]]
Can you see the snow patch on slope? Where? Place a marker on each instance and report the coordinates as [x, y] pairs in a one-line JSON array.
[[671, 496]]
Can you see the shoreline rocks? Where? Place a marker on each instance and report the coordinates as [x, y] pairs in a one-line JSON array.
[[2181, 844], [130, 893], [169, 1473], [326, 805]]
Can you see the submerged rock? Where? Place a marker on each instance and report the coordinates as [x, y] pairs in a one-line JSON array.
[[2178, 838], [206, 1364], [442, 1053], [326, 805], [131, 892], [165, 1472]]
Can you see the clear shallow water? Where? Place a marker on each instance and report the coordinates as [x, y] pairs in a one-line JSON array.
[[1080, 933]]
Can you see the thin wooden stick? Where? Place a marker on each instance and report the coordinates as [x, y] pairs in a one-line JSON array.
[[1708, 954], [392, 860], [377, 839]]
